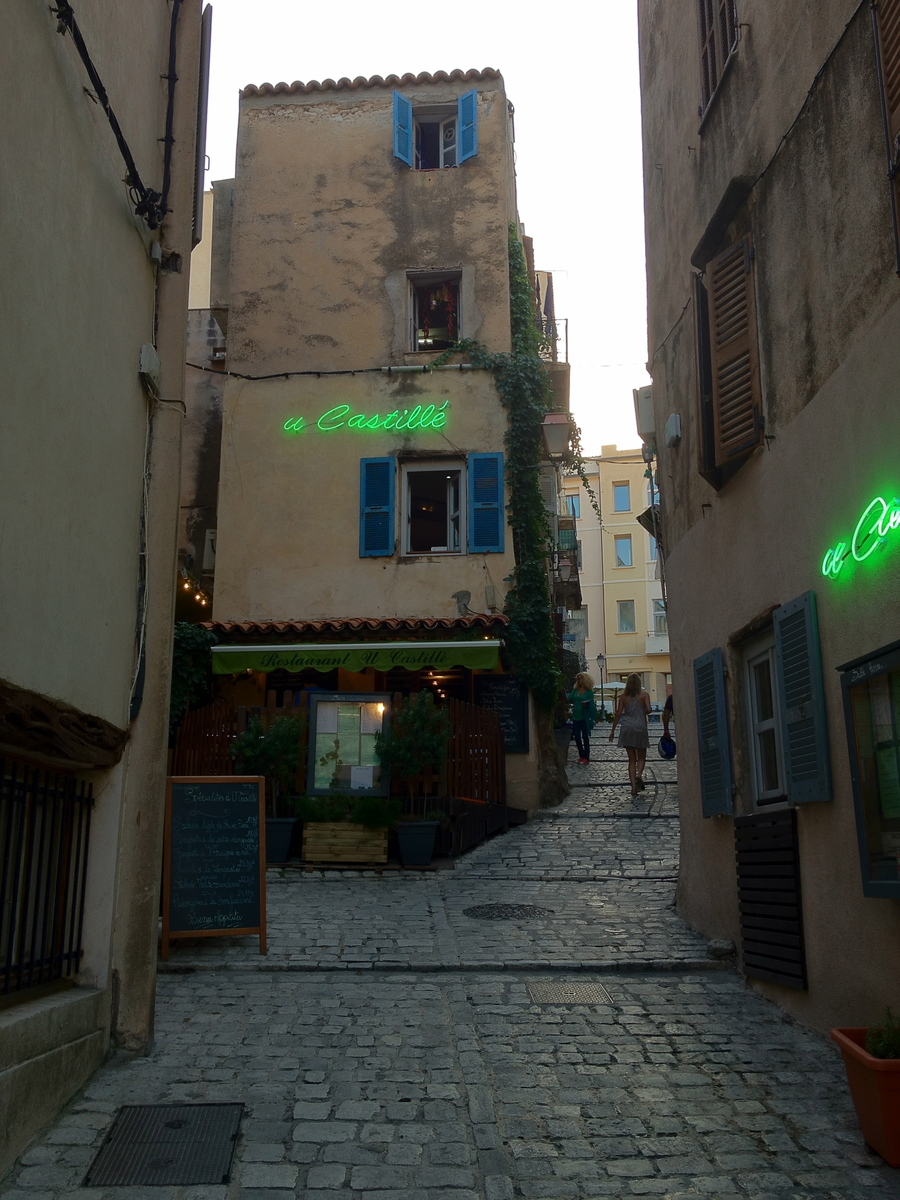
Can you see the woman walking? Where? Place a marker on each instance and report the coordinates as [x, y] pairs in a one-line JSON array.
[[584, 714], [631, 717]]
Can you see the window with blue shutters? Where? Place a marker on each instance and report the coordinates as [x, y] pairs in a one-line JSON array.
[[486, 511], [712, 734], [376, 507], [431, 137], [801, 701]]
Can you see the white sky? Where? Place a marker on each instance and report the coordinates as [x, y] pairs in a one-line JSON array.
[[571, 72]]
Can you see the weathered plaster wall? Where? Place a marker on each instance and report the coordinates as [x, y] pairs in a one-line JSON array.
[[327, 222], [829, 314], [288, 531], [75, 307]]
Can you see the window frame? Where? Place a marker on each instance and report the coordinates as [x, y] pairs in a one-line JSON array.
[[418, 281], [657, 613], [434, 466], [862, 671], [623, 537], [715, 17], [615, 487], [755, 653], [315, 698], [619, 628], [573, 506]]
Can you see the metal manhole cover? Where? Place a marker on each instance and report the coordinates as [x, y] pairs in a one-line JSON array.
[[550, 992], [174, 1145], [506, 912]]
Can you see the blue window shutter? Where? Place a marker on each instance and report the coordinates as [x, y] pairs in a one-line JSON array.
[[712, 734], [403, 123], [802, 700], [486, 514], [376, 507], [467, 121]]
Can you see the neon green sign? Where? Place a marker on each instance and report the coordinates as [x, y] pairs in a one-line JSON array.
[[427, 417], [878, 520]]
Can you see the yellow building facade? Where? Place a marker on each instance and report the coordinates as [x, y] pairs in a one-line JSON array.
[[623, 615]]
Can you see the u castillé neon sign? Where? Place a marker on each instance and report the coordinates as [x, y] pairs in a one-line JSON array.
[[428, 416], [880, 518]]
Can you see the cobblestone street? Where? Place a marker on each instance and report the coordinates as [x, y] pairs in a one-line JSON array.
[[395, 1045]]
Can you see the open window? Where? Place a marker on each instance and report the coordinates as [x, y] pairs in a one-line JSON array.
[[434, 501], [434, 310], [430, 137]]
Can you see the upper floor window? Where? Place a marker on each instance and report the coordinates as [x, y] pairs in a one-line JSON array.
[[625, 617], [623, 551], [434, 310], [431, 136], [573, 507], [621, 497], [718, 41], [447, 506], [660, 617], [654, 549]]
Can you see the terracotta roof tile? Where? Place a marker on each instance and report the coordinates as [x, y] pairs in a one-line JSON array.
[[360, 624], [374, 81]]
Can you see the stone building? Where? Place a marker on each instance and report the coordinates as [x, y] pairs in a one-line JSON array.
[[361, 531], [93, 300], [770, 143]]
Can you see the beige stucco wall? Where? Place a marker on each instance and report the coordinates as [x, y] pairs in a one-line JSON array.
[[288, 522], [76, 304], [829, 314], [79, 295], [318, 282]]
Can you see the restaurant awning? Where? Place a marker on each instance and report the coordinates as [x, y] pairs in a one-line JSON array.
[[356, 656]]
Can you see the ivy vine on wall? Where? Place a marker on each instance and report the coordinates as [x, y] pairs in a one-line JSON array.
[[523, 383]]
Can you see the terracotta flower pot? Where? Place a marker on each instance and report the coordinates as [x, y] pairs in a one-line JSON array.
[[875, 1088]]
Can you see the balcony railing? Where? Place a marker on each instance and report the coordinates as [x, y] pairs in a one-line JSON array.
[[45, 823], [657, 643]]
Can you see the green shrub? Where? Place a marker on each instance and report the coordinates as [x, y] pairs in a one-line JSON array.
[[273, 751], [323, 808], [375, 812], [883, 1041]]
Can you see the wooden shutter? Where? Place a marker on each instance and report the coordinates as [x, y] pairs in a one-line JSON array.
[[376, 507], [467, 123], [403, 124], [801, 700], [737, 407], [712, 734], [771, 915], [718, 41], [486, 515], [200, 137]]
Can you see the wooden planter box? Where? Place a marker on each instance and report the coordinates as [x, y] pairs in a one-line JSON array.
[[875, 1088], [341, 841]]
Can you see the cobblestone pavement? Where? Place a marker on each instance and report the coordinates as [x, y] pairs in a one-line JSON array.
[[463, 1079]]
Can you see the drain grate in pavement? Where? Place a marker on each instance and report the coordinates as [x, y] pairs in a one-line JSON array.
[[174, 1145], [506, 912], [550, 992]]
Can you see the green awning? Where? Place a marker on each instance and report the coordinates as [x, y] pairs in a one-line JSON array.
[[356, 656]]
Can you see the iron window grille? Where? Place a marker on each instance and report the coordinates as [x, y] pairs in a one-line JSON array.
[[45, 823], [718, 42]]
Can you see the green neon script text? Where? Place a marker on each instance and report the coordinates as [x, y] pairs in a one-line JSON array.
[[427, 417], [879, 518]]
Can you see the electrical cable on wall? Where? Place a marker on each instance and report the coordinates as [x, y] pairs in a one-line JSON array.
[[149, 205]]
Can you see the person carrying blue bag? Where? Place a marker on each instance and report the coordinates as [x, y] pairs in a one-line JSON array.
[[584, 714]]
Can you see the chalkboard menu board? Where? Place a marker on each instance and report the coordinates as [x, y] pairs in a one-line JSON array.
[[508, 697], [214, 860]]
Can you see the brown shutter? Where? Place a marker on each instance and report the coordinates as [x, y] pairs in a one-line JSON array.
[[887, 13], [737, 410]]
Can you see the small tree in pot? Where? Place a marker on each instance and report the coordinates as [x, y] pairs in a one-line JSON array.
[[273, 751], [872, 1062], [417, 738]]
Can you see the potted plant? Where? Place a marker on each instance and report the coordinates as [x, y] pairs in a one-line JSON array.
[[872, 1062], [418, 737], [347, 829], [273, 751]]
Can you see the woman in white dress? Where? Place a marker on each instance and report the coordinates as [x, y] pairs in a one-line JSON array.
[[631, 715]]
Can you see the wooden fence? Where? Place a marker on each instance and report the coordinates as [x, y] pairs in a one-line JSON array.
[[475, 768]]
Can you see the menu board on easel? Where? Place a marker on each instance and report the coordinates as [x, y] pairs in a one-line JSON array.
[[214, 858], [508, 698]]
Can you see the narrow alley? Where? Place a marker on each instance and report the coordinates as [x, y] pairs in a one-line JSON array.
[[537, 1022]]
